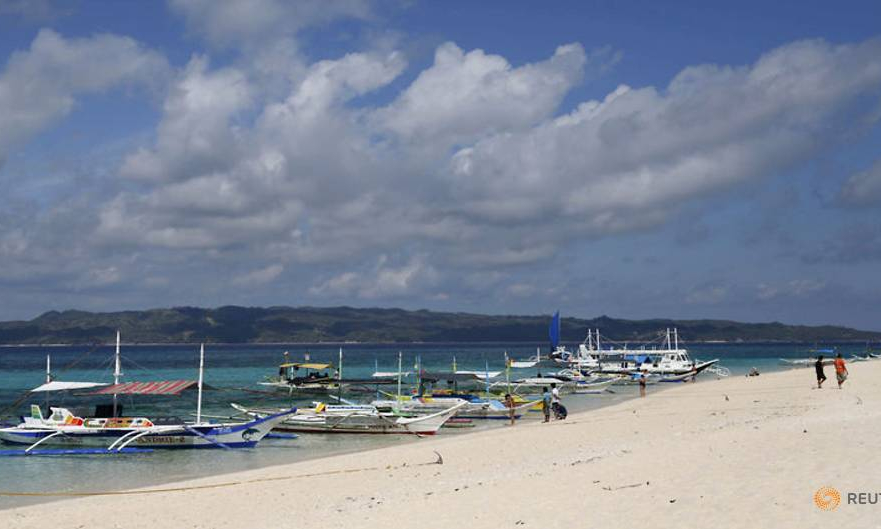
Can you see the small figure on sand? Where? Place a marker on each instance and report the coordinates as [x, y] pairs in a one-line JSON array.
[[509, 402], [560, 411], [642, 382], [840, 370], [821, 376], [546, 403]]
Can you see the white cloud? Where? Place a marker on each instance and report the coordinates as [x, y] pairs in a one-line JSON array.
[[245, 21], [707, 295], [259, 277], [383, 281], [632, 158], [863, 188], [40, 85], [196, 134], [464, 96], [798, 288]]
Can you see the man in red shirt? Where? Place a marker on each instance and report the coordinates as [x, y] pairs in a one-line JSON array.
[[840, 370]]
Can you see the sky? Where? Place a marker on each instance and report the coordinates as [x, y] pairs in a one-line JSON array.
[[677, 159]]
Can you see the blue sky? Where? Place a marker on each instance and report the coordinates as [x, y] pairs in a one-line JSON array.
[[634, 159]]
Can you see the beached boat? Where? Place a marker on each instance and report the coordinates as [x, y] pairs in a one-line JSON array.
[[116, 434], [474, 408], [348, 418]]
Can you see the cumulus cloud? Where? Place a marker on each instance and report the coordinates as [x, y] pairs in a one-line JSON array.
[[196, 135], [314, 178], [259, 277], [383, 281], [863, 188], [464, 96], [468, 175], [637, 154], [40, 85]]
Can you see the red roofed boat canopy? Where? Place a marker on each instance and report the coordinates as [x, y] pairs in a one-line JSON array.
[[159, 387]]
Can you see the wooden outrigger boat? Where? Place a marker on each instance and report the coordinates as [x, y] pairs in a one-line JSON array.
[[348, 418], [115, 434]]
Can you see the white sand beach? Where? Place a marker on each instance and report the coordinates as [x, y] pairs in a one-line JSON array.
[[739, 452]]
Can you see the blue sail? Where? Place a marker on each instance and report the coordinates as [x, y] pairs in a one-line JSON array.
[[554, 330]]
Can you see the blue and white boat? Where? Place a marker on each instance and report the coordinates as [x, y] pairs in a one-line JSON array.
[[62, 428]]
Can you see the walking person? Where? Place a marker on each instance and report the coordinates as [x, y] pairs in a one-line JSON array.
[[546, 403], [642, 383], [509, 402], [821, 377], [840, 370]]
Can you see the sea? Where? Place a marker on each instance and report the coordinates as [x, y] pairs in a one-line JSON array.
[[232, 374]]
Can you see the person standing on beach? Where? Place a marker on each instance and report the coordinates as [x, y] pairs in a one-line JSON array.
[[555, 400], [821, 377], [546, 404], [840, 370], [642, 383], [509, 402]]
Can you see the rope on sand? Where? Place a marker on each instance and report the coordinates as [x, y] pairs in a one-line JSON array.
[[439, 461]]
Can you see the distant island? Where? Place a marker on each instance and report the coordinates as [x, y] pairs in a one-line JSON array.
[[233, 324]]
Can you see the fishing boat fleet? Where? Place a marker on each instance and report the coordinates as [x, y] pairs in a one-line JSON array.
[[422, 402]]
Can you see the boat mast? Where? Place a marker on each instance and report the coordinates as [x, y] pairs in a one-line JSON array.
[[508, 371], [486, 379], [676, 337], [48, 377], [116, 371], [339, 377], [199, 398], [399, 376]]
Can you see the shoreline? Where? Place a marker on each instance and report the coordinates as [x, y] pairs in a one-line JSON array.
[[419, 343], [759, 447]]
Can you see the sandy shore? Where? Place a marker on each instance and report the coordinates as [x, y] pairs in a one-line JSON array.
[[741, 452]]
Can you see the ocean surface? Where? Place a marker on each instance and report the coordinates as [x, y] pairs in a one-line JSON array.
[[234, 371]]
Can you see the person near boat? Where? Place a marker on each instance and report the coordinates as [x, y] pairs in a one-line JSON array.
[[840, 370], [642, 382], [560, 411], [546, 403], [509, 403]]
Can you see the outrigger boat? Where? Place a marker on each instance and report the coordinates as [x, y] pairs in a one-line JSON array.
[[317, 378], [474, 408], [353, 418], [116, 434], [668, 360]]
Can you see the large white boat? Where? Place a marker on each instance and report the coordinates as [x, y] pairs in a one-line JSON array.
[[666, 358]]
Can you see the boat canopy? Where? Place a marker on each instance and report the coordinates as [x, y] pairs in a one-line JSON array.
[[159, 387], [57, 385], [306, 365]]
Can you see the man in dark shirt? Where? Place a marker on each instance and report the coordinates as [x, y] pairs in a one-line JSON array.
[[821, 377]]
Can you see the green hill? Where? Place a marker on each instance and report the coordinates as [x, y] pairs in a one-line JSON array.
[[340, 324]]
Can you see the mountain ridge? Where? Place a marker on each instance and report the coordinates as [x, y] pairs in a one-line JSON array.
[[282, 324]]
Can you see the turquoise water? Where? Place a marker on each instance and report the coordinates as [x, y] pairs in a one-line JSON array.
[[234, 371]]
